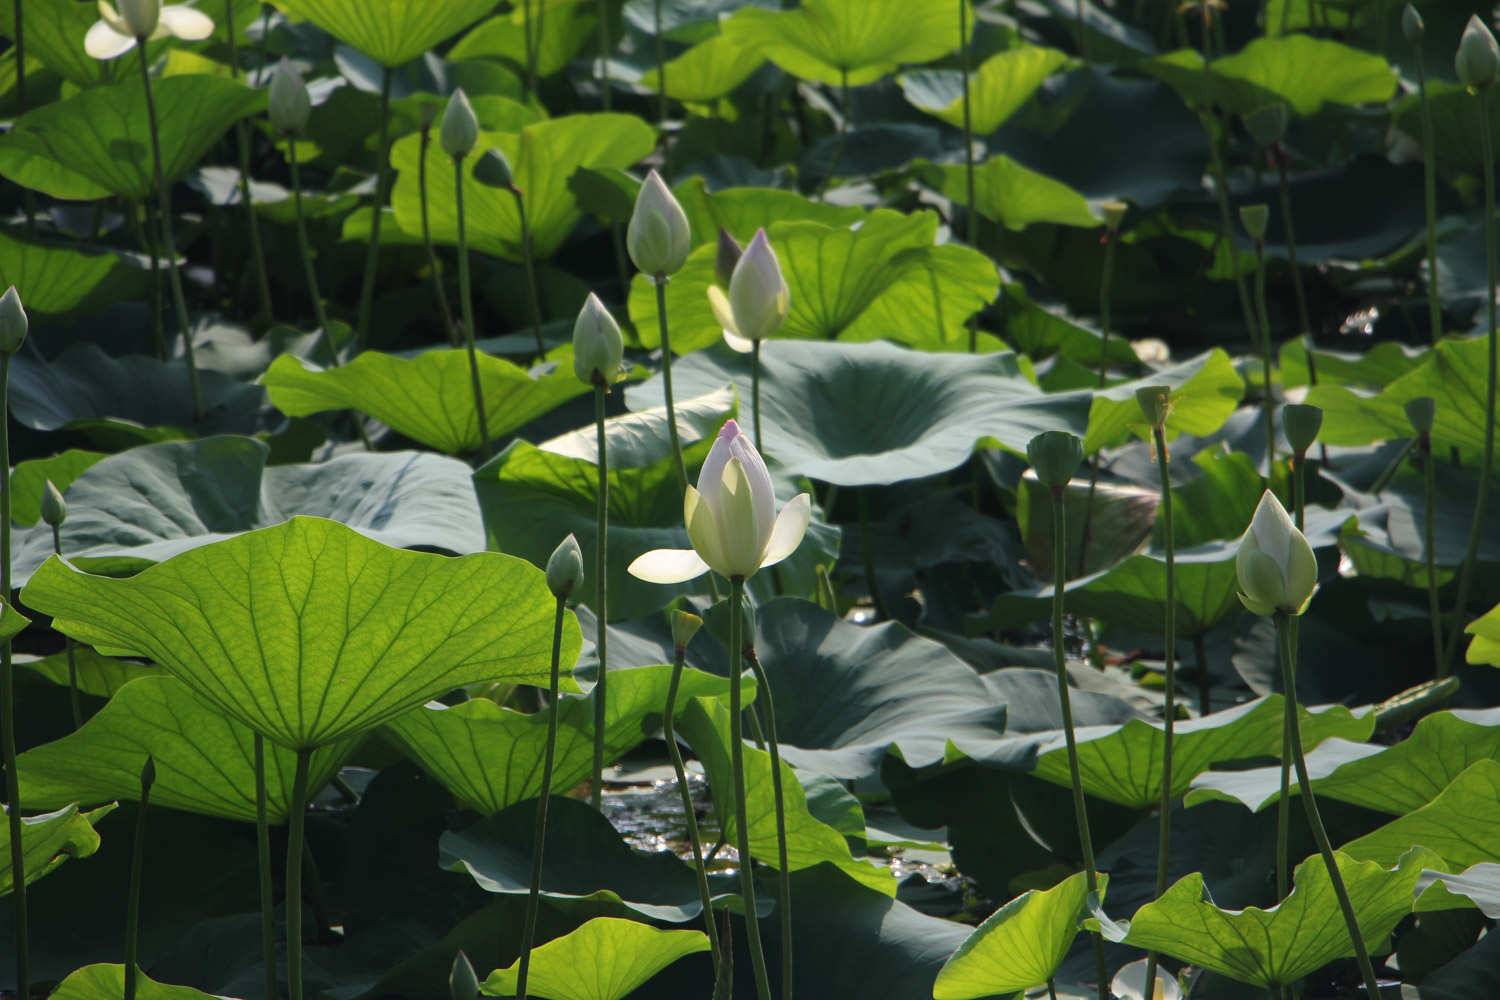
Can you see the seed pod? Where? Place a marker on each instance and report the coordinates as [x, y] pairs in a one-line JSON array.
[[685, 625], [1056, 456], [1267, 124], [1155, 402], [1300, 423], [1421, 412], [493, 170], [1255, 218]]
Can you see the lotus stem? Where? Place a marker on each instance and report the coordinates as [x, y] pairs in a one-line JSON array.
[[604, 46], [137, 210], [531, 28], [168, 242], [382, 179], [1284, 190], [1487, 461], [305, 248], [661, 69], [1287, 634], [295, 824], [755, 392], [867, 550], [1106, 279], [1205, 679], [1268, 402], [1284, 801], [1083, 45], [466, 303], [970, 219], [601, 590], [133, 896], [526, 256], [1429, 201], [1211, 127], [669, 733], [539, 835], [666, 379], [848, 122], [765, 701], [737, 764], [1060, 660], [242, 142], [434, 264], [263, 864], [1429, 543], [8, 708], [69, 646]]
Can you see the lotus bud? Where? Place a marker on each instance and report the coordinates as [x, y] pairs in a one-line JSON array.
[[727, 256], [1155, 402], [463, 984], [1411, 25], [758, 296], [1478, 57], [1114, 214], [148, 775], [493, 170], [54, 507], [1421, 412], [685, 625], [659, 238], [565, 568], [1255, 218], [1275, 566], [140, 17], [598, 347], [1267, 124], [13, 321], [460, 128], [290, 104], [1300, 423], [1056, 456]]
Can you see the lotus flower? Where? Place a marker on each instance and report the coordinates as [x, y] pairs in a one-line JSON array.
[[1276, 567], [758, 298], [731, 518], [117, 30]]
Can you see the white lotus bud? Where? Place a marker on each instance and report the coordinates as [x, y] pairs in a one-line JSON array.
[[290, 104], [1276, 568], [659, 238], [598, 346], [460, 128], [758, 296]]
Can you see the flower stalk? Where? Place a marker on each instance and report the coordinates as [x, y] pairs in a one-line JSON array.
[[382, 182], [1411, 25], [1254, 219], [737, 765], [242, 144], [54, 514], [765, 708], [263, 865], [601, 588], [434, 263], [13, 328], [137, 866], [296, 819]]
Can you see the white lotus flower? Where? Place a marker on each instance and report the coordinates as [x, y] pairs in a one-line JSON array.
[[731, 518], [117, 30], [1275, 566], [659, 236], [758, 298]]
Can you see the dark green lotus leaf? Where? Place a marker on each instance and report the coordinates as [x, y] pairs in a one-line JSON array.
[[491, 757], [308, 631], [106, 982], [29, 479], [605, 959], [53, 278], [1461, 824], [998, 87], [391, 32], [1455, 123], [99, 676], [1040, 331], [150, 503], [853, 42], [54, 35], [743, 210], [1387, 539], [1013, 195], [871, 414], [1479, 884], [50, 839], [205, 762], [1304, 72]]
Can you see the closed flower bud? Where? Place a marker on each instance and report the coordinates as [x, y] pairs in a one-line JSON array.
[[598, 347], [727, 255], [659, 238], [140, 16], [13, 321], [493, 170], [1275, 565], [463, 984], [54, 507], [1300, 423], [1478, 57], [565, 568], [1421, 412], [1255, 218], [1155, 402], [1267, 124], [1411, 25], [758, 296], [290, 104], [1056, 456], [685, 625], [1114, 213], [460, 128]]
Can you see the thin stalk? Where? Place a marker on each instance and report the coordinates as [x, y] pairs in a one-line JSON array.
[[168, 242], [382, 177], [970, 218], [466, 303], [1080, 809], [539, 834], [669, 733], [263, 863], [531, 28], [1487, 461], [1205, 681], [242, 141], [764, 700], [133, 898], [1083, 47], [1429, 201], [604, 46], [434, 264], [305, 247], [601, 590], [1106, 279], [531, 290], [844, 99], [1226, 224], [666, 379], [760, 445], [148, 247], [867, 550], [661, 69], [1298, 292], [69, 645], [295, 824], [1429, 544], [1284, 801], [1287, 633], [1268, 402], [8, 708], [737, 764], [1169, 707]]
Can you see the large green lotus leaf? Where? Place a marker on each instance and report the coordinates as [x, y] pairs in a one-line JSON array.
[[885, 279], [1384, 362], [704, 723], [1122, 764], [743, 210], [605, 959], [1485, 647], [853, 41], [103, 133], [98, 675], [1300, 70], [54, 34], [41, 173], [1462, 824], [531, 498], [1020, 945], [1479, 884], [636, 440], [873, 414], [708, 71], [1040, 331], [1279, 946], [391, 32], [205, 762], [1218, 502], [429, 397], [1012, 195], [491, 757], [1397, 779], [566, 26], [1455, 123], [846, 695], [49, 840], [543, 157], [309, 631], [152, 502], [29, 479], [1205, 392], [997, 88], [107, 982], [57, 279]]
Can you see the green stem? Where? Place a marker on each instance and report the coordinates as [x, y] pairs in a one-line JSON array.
[[601, 591], [135, 210], [1284, 801], [1060, 661], [1298, 292], [168, 242], [669, 733], [8, 707], [434, 264], [1205, 680], [844, 101], [539, 835], [1288, 636], [531, 289], [242, 141], [372, 251], [970, 219], [737, 764], [1169, 707], [666, 378], [1083, 49], [760, 444], [305, 247], [604, 46], [661, 70], [1487, 461], [531, 29], [1226, 223], [1429, 544], [764, 700], [867, 550], [68, 645], [466, 303], [1429, 201], [1106, 279], [295, 823], [263, 864], [133, 898], [1268, 402]]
